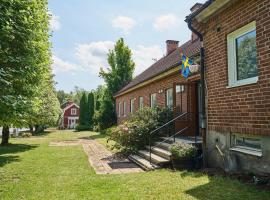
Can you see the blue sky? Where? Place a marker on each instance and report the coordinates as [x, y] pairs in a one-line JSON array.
[[84, 30]]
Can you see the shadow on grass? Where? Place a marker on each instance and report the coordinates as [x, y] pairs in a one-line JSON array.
[[8, 159], [16, 148], [192, 174], [94, 137], [220, 188], [44, 133]]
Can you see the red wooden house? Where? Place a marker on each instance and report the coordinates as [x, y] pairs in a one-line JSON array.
[[70, 118]]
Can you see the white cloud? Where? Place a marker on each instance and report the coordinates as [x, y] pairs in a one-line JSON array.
[[92, 56], [55, 24], [144, 57], [166, 22], [60, 65], [124, 23]]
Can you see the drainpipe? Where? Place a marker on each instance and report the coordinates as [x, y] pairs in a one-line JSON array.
[[202, 81]]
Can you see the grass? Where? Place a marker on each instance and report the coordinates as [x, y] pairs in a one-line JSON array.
[[30, 169]]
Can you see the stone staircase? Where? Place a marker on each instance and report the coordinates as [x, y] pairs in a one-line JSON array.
[[161, 155]]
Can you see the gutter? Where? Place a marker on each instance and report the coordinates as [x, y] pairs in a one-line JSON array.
[[202, 81]]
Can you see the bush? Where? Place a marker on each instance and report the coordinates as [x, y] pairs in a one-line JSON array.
[[134, 133], [183, 151], [26, 134], [82, 128]]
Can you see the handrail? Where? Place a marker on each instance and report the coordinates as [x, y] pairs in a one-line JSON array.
[[157, 129], [179, 116], [182, 130]]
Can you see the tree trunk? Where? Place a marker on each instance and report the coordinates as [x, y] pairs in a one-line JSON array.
[[31, 128], [5, 135]]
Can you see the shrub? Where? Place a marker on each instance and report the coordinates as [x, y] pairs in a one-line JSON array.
[[26, 134], [134, 133], [82, 128], [183, 151]]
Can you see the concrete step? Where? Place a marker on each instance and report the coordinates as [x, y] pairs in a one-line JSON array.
[[161, 152], [158, 160], [164, 145], [184, 139], [142, 162]]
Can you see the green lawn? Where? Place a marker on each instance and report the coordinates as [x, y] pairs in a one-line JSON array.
[[30, 169]]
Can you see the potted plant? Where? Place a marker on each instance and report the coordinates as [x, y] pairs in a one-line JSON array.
[[183, 155]]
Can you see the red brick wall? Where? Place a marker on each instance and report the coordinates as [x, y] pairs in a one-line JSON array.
[[244, 109], [145, 92]]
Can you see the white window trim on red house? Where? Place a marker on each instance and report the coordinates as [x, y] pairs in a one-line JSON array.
[[232, 66]]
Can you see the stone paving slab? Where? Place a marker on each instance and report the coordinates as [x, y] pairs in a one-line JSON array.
[[102, 160], [105, 162]]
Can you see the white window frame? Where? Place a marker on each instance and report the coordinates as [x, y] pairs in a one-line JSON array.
[[140, 102], [119, 109], [73, 111], [167, 97], [180, 88], [232, 65], [245, 149], [132, 103], [152, 100], [125, 109]]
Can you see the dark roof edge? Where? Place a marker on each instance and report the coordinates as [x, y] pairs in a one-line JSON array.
[[170, 68], [194, 14]]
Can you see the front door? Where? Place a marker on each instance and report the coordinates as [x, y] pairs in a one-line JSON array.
[[186, 101], [71, 123]]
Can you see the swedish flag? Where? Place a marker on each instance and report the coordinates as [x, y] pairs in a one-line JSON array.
[[186, 62]]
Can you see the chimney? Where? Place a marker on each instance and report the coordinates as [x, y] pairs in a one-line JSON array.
[[193, 9], [171, 46]]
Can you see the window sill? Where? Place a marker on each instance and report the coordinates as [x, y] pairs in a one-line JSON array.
[[243, 82], [251, 152]]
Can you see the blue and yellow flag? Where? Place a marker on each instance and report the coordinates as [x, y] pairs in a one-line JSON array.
[[186, 62]]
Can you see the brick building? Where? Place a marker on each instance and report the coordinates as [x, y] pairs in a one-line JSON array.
[[161, 84], [236, 38]]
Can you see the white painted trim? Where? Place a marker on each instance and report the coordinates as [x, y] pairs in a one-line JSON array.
[[216, 6], [231, 50], [247, 151], [69, 106]]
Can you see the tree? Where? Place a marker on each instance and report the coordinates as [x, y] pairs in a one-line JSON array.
[[25, 59], [121, 67], [83, 118], [90, 108], [117, 76]]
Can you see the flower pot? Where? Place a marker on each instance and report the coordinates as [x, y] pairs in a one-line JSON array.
[[182, 164]]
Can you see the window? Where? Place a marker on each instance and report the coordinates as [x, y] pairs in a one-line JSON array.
[[140, 102], [119, 109], [153, 99], [169, 98], [246, 145], [132, 101], [180, 88], [73, 111], [125, 109], [242, 56]]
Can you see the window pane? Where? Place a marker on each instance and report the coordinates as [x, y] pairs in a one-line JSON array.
[[132, 105], [153, 100], [141, 102], [169, 97], [124, 108], [246, 54]]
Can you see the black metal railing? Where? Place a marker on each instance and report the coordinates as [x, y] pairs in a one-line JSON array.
[[171, 122]]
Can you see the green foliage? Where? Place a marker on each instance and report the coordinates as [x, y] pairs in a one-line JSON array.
[[83, 118], [74, 96], [183, 151], [134, 133], [90, 109], [82, 127], [117, 76], [121, 67], [25, 60]]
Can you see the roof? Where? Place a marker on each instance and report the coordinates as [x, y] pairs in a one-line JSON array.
[[69, 106], [209, 8], [164, 64]]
